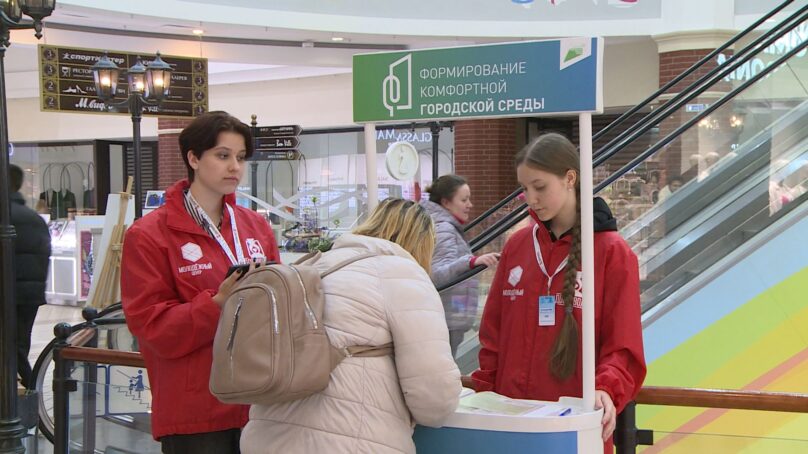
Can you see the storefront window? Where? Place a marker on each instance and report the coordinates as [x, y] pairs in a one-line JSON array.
[[324, 193]]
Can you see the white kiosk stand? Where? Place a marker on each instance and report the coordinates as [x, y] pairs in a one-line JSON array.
[[520, 79]]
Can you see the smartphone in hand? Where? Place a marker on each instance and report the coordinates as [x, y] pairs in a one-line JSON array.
[[241, 268]]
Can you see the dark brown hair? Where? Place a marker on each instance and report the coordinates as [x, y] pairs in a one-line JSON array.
[[445, 187], [555, 154], [203, 134], [15, 177]]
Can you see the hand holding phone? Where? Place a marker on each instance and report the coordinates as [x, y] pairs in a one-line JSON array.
[[242, 269]]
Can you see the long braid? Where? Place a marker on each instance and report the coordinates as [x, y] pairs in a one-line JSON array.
[[564, 357]]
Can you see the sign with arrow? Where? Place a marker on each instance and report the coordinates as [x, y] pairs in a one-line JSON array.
[[276, 155], [276, 143], [278, 131]]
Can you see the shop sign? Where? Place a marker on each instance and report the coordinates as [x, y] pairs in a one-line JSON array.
[[66, 82], [500, 80]]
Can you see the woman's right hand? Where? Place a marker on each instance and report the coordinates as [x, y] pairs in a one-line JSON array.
[[490, 260], [466, 381], [227, 285]]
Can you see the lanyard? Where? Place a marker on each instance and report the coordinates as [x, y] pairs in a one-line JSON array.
[[239, 257], [540, 260]]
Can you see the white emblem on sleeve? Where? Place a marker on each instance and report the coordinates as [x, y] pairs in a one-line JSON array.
[[515, 276], [191, 252]]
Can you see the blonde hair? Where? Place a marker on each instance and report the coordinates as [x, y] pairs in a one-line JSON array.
[[405, 223]]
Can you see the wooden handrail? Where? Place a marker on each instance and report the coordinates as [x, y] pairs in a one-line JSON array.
[[81, 337], [723, 398], [101, 356], [713, 398]]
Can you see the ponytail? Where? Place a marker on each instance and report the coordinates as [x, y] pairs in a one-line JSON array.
[[564, 357]]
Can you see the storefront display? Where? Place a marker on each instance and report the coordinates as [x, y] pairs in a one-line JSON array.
[[71, 261]]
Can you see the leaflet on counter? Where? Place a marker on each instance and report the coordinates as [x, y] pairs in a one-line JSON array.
[[493, 403]]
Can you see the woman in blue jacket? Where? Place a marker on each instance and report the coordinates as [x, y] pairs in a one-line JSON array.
[[449, 205]]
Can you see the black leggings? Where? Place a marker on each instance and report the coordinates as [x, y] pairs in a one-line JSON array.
[[224, 442]]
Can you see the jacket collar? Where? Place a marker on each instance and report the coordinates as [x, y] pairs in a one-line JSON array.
[[370, 244], [17, 198], [178, 218], [603, 221], [440, 214]]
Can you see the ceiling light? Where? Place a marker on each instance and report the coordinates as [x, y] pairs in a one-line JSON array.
[[198, 31], [337, 39]]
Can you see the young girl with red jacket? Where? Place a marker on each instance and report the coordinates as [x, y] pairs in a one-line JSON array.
[[173, 284], [528, 357]]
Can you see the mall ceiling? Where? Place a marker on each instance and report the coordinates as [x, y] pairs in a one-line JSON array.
[[252, 40]]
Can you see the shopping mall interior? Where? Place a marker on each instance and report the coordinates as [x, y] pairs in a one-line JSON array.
[[690, 111]]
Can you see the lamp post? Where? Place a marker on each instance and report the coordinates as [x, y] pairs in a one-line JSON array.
[[11, 431], [148, 85]]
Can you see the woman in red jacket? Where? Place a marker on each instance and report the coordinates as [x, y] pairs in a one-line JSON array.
[[173, 284], [525, 355]]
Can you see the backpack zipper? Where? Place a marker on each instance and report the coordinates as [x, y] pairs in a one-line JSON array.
[[234, 327], [273, 303], [309, 312]]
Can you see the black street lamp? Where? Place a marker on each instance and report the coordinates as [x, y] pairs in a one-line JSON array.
[[11, 431], [148, 85]]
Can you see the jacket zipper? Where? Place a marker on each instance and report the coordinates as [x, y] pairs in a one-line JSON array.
[[309, 312]]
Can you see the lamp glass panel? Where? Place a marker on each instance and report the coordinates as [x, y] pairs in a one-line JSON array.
[[12, 9], [158, 83], [137, 82], [106, 82]]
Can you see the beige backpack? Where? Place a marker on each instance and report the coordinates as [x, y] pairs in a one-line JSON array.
[[271, 345]]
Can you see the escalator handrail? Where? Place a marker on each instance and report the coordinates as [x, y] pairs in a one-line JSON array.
[[709, 57], [491, 210], [521, 213], [635, 132], [487, 232], [497, 229], [693, 121], [706, 59]]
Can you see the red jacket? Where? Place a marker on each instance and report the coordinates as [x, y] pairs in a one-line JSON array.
[[170, 270], [515, 350]]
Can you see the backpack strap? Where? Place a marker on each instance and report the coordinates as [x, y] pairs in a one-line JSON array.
[[345, 263], [311, 255], [366, 351]]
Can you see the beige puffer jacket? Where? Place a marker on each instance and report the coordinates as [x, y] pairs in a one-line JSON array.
[[370, 404]]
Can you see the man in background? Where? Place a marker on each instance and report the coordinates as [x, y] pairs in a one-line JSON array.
[[31, 255]]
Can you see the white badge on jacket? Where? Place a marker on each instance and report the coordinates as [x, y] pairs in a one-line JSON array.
[[254, 249]]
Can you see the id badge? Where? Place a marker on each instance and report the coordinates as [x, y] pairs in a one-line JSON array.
[[547, 305]]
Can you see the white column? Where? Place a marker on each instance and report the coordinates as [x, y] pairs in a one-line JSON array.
[[587, 261], [370, 166]]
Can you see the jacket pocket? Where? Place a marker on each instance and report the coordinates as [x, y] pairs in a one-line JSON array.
[[197, 370]]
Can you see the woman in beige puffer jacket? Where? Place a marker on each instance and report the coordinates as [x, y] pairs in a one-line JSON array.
[[371, 404]]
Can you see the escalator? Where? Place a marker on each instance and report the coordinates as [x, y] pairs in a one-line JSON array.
[[756, 131]]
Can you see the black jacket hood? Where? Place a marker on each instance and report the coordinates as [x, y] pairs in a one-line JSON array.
[[603, 219]]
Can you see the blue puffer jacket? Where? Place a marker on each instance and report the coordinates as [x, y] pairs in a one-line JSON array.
[[450, 259]]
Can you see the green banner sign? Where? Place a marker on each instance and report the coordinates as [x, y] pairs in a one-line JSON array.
[[499, 80]]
